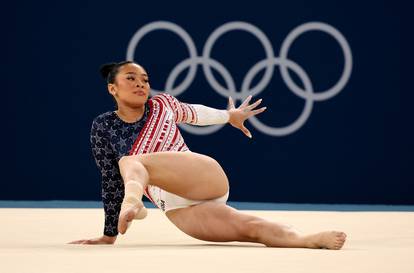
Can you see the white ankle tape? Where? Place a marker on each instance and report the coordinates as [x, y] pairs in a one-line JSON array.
[[134, 188], [133, 197], [133, 201], [133, 182]]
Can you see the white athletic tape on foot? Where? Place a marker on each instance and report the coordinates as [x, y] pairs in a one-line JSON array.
[[132, 198]]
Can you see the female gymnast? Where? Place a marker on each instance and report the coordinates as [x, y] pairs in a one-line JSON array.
[[140, 151]]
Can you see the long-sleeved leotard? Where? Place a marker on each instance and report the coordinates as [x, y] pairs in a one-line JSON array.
[[112, 138]]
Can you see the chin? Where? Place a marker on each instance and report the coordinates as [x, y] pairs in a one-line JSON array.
[[137, 103]]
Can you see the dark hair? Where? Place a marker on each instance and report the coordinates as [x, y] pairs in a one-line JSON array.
[[110, 70]]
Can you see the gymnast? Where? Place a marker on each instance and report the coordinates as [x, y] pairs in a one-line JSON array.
[[140, 151]]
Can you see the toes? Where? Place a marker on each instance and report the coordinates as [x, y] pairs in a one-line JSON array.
[[125, 221], [122, 225], [121, 228], [339, 245], [339, 240], [341, 235]]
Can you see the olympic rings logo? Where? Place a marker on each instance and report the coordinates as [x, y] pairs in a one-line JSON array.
[[307, 93]]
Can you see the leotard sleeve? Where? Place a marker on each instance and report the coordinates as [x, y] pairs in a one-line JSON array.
[[112, 186], [195, 114]]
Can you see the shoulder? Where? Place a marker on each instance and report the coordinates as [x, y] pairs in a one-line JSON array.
[[103, 117], [166, 99], [103, 121], [164, 96]]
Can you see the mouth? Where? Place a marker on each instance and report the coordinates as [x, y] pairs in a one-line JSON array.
[[139, 93]]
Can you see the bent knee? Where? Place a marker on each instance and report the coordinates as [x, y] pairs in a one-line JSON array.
[[131, 162], [124, 160], [127, 159]]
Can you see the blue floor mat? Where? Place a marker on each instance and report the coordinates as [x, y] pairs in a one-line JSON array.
[[238, 205]]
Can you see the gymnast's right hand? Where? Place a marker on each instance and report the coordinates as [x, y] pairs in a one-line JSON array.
[[104, 240]]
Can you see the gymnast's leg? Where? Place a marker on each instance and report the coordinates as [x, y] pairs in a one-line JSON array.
[[189, 175], [217, 222]]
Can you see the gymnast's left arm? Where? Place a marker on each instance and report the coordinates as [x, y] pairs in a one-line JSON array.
[[197, 114], [235, 116]]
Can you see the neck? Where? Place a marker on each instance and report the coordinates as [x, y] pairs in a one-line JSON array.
[[130, 114]]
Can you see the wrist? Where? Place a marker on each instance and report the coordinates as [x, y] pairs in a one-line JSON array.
[[109, 239], [230, 114], [222, 117]]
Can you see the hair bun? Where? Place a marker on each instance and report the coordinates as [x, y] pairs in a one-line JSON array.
[[106, 69]]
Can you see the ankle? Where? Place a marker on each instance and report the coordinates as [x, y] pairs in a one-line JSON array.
[[134, 182], [311, 241], [134, 188]]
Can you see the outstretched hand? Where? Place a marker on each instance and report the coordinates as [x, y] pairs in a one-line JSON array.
[[104, 240], [237, 116]]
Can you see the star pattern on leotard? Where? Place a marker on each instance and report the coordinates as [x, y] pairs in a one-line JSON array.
[[112, 183], [105, 194], [111, 206], [119, 193]]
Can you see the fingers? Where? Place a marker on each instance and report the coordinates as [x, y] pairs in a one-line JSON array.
[[77, 242], [254, 105], [246, 102], [257, 111], [246, 105], [231, 103], [246, 131], [84, 242]]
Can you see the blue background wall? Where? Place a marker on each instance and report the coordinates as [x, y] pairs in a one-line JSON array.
[[355, 148]]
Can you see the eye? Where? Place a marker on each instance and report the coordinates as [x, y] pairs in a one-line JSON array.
[[146, 80], [131, 78]]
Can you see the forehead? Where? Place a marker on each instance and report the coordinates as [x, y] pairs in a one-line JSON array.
[[132, 68]]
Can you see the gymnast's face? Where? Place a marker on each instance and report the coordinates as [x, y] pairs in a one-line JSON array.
[[131, 87]]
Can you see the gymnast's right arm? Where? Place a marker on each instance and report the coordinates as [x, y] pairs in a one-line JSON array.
[[112, 190]]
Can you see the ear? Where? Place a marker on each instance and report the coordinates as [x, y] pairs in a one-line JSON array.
[[111, 89]]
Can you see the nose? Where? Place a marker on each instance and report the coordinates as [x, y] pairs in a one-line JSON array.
[[140, 84]]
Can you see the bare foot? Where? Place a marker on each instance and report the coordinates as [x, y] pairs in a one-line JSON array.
[[327, 239], [131, 208]]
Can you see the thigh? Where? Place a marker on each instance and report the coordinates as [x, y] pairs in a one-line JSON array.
[[215, 222], [189, 175]]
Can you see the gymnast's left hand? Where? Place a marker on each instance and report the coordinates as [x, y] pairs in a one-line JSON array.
[[237, 116], [104, 240]]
